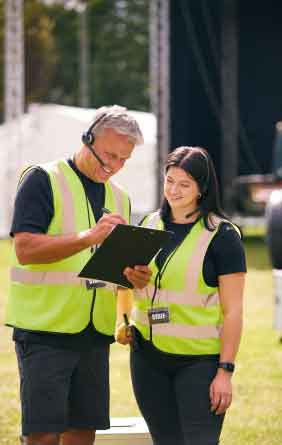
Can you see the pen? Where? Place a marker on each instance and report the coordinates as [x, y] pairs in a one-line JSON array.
[[104, 210], [125, 317], [128, 329], [133, 344]]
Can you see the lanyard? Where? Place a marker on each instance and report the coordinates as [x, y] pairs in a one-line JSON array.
[[159, 275], [91, 284]]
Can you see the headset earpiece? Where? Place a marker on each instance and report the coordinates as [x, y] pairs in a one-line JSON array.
[[88, 137]]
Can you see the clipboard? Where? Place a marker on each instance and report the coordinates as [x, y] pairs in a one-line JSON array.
[[126, 245]]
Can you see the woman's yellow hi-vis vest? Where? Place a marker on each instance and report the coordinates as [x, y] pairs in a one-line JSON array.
[[194, 308], [51, 297]]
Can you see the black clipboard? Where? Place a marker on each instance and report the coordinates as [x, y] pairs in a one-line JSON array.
[[125, 246]]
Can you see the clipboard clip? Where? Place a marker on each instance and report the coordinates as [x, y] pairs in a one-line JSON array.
[[93, 284]]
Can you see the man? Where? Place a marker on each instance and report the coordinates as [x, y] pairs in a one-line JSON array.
[[63, 325]]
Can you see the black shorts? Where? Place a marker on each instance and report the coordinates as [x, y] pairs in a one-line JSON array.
[[63, 389]]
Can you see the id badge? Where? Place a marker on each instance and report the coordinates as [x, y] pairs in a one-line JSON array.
[[158, 315]]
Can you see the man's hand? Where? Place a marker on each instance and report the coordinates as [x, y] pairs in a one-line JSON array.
[[103, 228], [41, 248], [139, 276]]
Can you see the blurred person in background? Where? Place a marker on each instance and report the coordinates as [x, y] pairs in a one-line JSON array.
[[187, 322], [63, 325]]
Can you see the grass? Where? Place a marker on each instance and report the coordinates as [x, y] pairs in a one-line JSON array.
[[255, 415]]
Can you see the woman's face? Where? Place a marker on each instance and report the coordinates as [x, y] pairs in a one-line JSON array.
[[180, 189]]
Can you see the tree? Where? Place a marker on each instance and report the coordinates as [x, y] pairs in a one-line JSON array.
[[119, 50], [64, 89], [40, 51], [118, 34], [118, 68]]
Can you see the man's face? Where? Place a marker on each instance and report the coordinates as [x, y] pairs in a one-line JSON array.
[[114, 149]]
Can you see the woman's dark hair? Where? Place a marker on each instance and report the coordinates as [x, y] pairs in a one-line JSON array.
[[196, 162]]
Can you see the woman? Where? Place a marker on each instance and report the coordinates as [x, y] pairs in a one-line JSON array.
[[188, 320]]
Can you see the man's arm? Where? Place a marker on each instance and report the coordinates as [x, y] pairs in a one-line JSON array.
[[37, 248]]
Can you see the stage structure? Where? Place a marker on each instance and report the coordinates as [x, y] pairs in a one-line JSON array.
[[221, 77], [14, 60], [14, 91], [159, 82], [174, 50]]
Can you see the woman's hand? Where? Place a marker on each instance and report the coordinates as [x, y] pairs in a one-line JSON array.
[[221, 392], [139, 276], [123, 334]]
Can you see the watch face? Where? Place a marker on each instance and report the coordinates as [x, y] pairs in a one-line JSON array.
[[227, 366]]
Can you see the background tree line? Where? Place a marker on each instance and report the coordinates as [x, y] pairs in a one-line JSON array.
[[118, 53]]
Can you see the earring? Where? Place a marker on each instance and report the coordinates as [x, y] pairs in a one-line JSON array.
[[199, 195]]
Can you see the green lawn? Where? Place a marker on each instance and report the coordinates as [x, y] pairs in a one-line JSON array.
[[255, 417]]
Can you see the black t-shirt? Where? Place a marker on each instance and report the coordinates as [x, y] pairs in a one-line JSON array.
[[33, 213], [225, 253]]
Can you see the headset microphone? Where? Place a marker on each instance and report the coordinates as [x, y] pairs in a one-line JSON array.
[[93, 152], [88, 139]]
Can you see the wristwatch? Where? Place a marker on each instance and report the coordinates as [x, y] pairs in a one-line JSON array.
[[227, 366]]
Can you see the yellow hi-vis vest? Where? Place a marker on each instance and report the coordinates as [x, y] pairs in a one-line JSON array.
[[51, 297], [194, 308]]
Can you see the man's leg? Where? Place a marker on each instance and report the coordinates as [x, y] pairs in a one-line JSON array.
[[88, 397], [78, 437], [45, 375], [42, 439]]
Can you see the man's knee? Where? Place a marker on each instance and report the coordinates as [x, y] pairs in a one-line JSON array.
[[42, 439], [78, 437]]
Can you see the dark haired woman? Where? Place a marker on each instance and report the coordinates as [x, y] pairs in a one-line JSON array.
[[188, 320]]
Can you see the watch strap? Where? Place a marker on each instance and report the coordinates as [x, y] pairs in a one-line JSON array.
[[227, 366]]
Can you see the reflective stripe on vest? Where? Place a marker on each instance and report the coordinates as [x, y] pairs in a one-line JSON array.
[[193, 298], [195, 313], [36, 290], [177, 330], [62, 278], [68, 226], [68, 220]]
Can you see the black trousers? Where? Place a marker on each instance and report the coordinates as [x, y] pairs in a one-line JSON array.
[[174, 399]]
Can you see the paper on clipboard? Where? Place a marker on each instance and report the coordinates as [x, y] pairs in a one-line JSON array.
[[126, 245]]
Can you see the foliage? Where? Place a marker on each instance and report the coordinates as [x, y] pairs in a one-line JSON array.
[[119, 49], [64, 89], [40, 51], [118, 52]]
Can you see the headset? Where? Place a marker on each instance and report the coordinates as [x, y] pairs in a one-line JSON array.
[[88, 138]]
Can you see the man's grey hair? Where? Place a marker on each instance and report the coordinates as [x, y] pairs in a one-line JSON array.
[[118, 118]]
